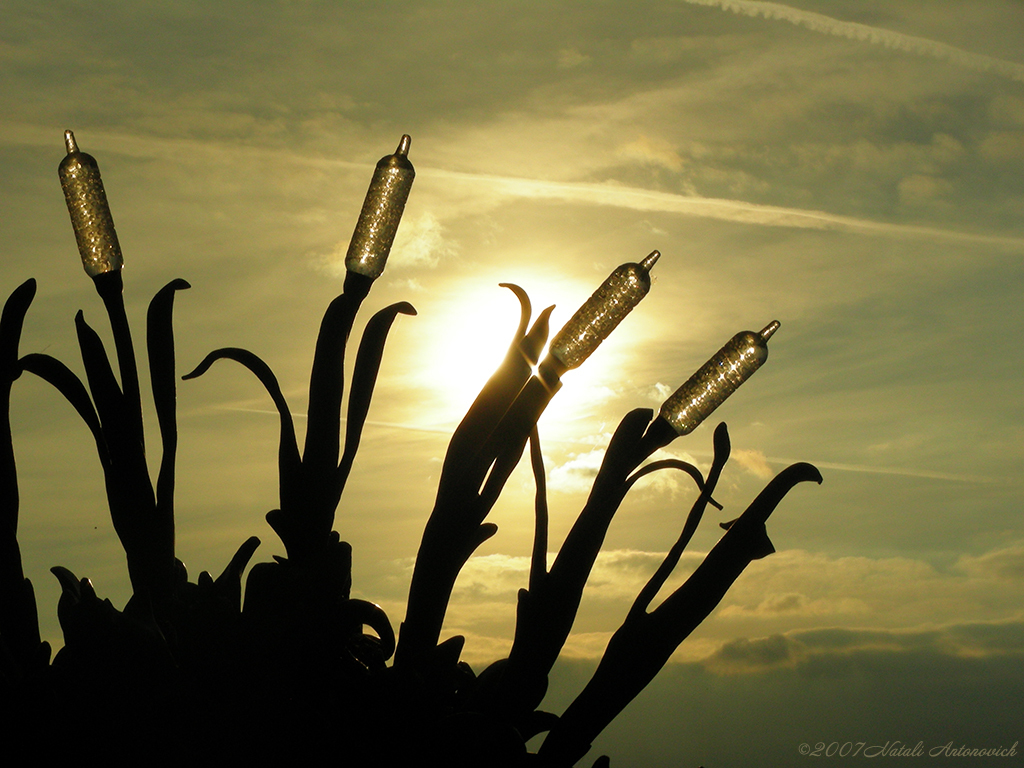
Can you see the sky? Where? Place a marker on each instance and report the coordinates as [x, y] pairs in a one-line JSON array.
[[852, 169]]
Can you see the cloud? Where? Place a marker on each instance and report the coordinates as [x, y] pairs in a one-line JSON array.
[[818, 602], [793, 588], [919, 188], [883, 470], [622, 196], [619, 575], [1007, 110], [480, 650], [652, 152], [1006, 564], [834, 648], [570, 58], [577, 474], [493, 575], [754, 462], [768, 696], [745, 655], [585, 645], [659, 392], [795, 603], [920, 46], [420, 242], [1003, 146]]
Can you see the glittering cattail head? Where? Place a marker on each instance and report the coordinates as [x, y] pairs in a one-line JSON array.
[[382, 211], [602, 312], [718, 378], [90, 214]]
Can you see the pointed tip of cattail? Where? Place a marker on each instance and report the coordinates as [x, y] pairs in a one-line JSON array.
[[769, 329], [403, 145], [69, 142], [650, 260]]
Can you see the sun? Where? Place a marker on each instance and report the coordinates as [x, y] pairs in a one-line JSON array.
[[465, 333], [478, 329]]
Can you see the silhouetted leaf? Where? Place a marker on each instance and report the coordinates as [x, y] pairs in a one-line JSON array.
[[160, 344], [65, 381], [364, 377], [288, 450]]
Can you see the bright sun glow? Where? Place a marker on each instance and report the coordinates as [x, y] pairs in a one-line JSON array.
[[466, 333], [468, 341]]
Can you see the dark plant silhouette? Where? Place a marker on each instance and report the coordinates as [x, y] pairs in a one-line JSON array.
[[299, 669]]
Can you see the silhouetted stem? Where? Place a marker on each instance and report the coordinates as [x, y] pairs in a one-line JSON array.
[[364, 377], [538, 563], [314, 516], [547, 614], [478, 438], [654, 585], [509, 439], [494, 432], [110, 287], [19, 621], [147, 537], [643, 644], [160, 344], [447, 544]]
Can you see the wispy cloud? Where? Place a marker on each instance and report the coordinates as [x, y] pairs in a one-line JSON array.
[[827, 25], [503, 187], [757, 463], [420, 244], [298, 416], [577, 474], [811, 599], [903, 471], [831, 646], [715, 208]]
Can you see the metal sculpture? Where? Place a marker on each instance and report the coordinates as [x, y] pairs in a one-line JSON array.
[[299, 668]]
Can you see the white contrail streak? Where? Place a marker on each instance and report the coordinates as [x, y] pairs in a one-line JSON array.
[[826, 465], [433, 429], [709, 207], [875, 35], [614, 195], [926, 474], [902, 471]]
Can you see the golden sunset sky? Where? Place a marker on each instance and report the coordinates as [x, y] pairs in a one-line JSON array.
[[854, 169]]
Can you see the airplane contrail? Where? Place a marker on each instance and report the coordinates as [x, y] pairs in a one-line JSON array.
[[430, 428], [877, 36], [710, 207], [902, 471], [595, 193], [841, 467]]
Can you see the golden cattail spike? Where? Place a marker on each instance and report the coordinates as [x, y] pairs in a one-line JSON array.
[[718, 378], [90, 214], [382, 211], [602, 312]]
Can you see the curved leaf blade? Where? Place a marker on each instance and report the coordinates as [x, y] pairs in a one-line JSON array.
[[64, 380], [160, 345], [11, 323], [364, 378], [326, 387], [288, 450]]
